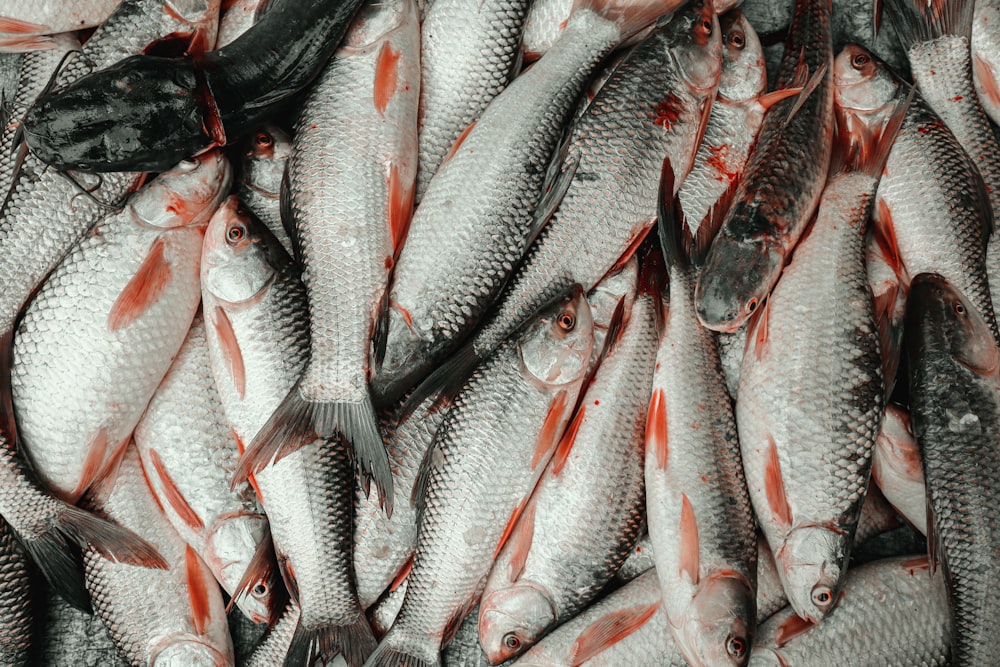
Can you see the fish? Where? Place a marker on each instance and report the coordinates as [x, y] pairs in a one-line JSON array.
[[654, 104], [263, 168], [516, 406], [16, 630], [27, 26], [781, 183], [258, 337], [238, 17], [125, 296], [928, 177], [701, 522], [273, 648], [898, 470], [479, 212], [953, 362], [892, 612], [985, 45], [351, 177], [154, 616], [189, 452], [811, 396], [587, 510], [889, 284]]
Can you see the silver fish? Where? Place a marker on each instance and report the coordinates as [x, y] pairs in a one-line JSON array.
[[263, 169], [897, 469], [15, 598], [986, 56]]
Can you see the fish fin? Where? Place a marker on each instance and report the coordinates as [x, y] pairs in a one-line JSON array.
[[520, 543], [552, 429], [757, 333], [173, 495], [19, 27], [807, 90], [400, 653], [455, 622], [689, 544], [400, 208], [656, 427], [609, 630], [144, 289], [768, 100], [26, 43], [7, 422], [558, 178], [637, 238], [288, 216], [355, 642], [653, 283], [295, 423], [567, 441], [202, 41], [230, 347], [933, 543], [987, 80], [791, 628], [423, 476], [94, 461], [263, 567], [508, 530], [675, 241], [444, 382], [919, 21], [774, 487], [386, 77], [883, 307], [877, 9], [885, 236], [869, 157], [201, 612], [631, 18], [458, 144], [403, 573], [380, 330]]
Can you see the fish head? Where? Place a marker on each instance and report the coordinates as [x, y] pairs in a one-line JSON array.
[[231, 545], [184, 196], [240, 257], [940, 318], [695, 41], [811, 563], [141, 114], [555, 345], [264, 159], [188, 651], [720, 628], [865, 93], [375, 20], [744, 72], [739, 271], [512, 619]]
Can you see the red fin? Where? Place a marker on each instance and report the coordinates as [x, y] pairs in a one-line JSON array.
[[27, 43], [774, 486], [143, 290], [635, 242], [403, 573], [173, 494], [768, 100], [656, 428], [386, 68], [885, 236], [455, 622], [548, 436], [94, 462], [458, 143], [790, 629], [18, 27], [566, 443], [759, 329], [984, 73], [400, 208], [509, 528], [918, 563], [520, 543], [690, 554], [230, 350], [608, 631], [201, 613], [152, 489]]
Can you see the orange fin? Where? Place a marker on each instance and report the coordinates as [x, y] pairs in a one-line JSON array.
[[774, 487], [201, 613], [656, 428], [509, 528], [403, 573], [759, 328], [18, 27], [26, 43], [143, 290], [94, 462], [400, 208], [984, 73], [918, 563], [548, 436], [690, 554], [520, 543], [768, 100], [608, 631], [458, 143], [790, 629], [230, 350], [885, 236], [567, 441], [174, 496], [386, 78]]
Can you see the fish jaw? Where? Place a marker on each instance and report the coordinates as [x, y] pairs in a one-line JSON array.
[[721, 628], [737, 277], [811, 563], [512, 619]]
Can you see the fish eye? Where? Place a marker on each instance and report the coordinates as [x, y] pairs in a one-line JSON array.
[[751, 305], [706, 26], [263, 139], [236, 233], [737, 40], [566, 321], [511, 641], [860, 60], [188, 165], [736, 647], [260, 590], [821, 596], [959, 309]]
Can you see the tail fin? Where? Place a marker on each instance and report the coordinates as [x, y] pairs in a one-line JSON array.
[[919, 21], [400, 651], [298, 422], [355, 642]]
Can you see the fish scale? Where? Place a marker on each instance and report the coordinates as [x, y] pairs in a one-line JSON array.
[[986, 56], [15, 600]]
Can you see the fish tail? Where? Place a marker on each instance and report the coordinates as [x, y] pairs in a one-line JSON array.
[[919, 21], [399, 650], [298, 422], [354, 641]]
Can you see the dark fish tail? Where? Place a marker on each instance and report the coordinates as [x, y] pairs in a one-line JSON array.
[[354, 641]]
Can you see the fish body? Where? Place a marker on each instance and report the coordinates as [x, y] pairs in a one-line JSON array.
[[781, 184], [126, 296], [239, 16], [47, 17], [15, 598], [955, 402], [897, 468], [263, 169]]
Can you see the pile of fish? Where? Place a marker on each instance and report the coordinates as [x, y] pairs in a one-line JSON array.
[[468, 332]]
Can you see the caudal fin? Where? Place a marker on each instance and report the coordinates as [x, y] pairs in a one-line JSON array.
[[398, 650], [919, 21], [355, 642], [298, 422]]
